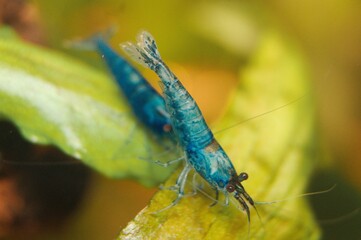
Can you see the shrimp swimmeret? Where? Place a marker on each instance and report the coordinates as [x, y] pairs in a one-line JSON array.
[[202, 151]]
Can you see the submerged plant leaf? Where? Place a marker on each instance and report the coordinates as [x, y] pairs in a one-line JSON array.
[[56, 100], [273, 149]]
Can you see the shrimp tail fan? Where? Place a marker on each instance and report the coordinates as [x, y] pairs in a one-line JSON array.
[[145, 51], [91, 43]]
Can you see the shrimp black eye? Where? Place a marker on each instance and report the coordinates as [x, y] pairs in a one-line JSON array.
[[242, 176], [230, 187]]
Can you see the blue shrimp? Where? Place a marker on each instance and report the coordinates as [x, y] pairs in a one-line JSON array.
[[202, 151], [146, 103]]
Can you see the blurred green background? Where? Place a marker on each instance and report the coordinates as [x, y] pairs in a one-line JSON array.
[[206, 41]]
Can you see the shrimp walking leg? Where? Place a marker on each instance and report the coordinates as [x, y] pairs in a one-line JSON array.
[[166, 164], [180, 185], [216, 199]]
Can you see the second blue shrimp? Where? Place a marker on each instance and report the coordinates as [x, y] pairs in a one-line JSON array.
[[146, 103]]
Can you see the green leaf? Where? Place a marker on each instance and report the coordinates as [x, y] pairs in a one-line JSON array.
[[56, 100], [273, 149]]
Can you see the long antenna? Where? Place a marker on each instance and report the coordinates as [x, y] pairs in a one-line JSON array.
[[259, 115], [295, 197]]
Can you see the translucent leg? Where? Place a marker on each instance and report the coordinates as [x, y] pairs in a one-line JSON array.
[[194, 185], [180, 185], [162, 163], [226, 200], [176, 187], [166, 164], [216, 200], [169, 148]]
